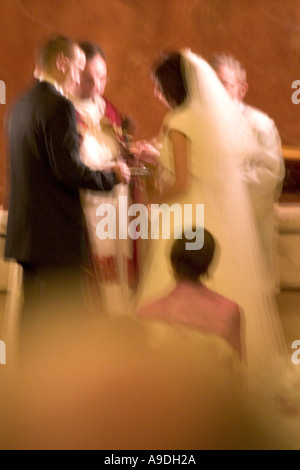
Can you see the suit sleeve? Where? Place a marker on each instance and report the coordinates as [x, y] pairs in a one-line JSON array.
[[62, 144]]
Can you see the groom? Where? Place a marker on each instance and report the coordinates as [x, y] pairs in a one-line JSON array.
[[45, 232]]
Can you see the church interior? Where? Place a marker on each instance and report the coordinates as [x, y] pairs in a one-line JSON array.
[[263, 35]]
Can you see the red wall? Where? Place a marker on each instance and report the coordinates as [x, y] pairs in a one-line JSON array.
[[263, 34]]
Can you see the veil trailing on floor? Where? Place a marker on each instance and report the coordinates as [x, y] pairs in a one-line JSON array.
[[230, 141]]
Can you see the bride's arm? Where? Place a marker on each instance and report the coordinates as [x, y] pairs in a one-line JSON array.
[[180, 155]]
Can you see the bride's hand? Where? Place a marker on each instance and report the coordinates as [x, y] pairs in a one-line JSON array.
[[143, 147]]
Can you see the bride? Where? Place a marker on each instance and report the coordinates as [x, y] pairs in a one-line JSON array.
[[202, 141]]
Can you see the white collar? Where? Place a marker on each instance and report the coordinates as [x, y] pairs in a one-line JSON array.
[[97, 103], [46, 78]]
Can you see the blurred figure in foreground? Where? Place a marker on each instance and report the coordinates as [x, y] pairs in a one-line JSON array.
[[119, 384], [264, 170], [191, 303]]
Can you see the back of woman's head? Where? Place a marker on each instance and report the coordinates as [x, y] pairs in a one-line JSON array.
[[169, 75], [189, 265]]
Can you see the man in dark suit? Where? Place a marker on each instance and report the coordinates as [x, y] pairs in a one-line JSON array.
[[46, 232]]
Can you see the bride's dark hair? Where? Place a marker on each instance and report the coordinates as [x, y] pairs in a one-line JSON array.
[[170, 77]]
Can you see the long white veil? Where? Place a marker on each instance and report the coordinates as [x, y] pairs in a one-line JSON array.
[[247, 284]]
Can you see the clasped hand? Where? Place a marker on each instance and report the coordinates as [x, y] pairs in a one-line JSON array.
[[122, 172]]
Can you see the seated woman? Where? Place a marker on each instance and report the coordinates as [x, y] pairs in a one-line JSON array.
[[191, 303]]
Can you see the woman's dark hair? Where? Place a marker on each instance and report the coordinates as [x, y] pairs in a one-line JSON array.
[[189, 265], [169, 75]]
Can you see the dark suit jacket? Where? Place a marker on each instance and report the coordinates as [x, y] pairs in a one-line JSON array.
[[45, 221]]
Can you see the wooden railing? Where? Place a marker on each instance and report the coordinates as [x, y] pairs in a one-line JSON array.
[[291, 153]]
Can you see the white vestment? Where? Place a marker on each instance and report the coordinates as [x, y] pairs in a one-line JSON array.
[[98, 150], [263, 172]]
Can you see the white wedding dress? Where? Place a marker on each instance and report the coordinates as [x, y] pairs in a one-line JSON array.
[[218, 138]]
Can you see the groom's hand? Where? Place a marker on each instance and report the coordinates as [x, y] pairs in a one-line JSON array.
[[122, 172]]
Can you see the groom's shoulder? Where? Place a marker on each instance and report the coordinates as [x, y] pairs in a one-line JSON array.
[[46, 92], [47, 101]]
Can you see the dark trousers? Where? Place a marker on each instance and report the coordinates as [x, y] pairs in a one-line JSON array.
[[51, 295]]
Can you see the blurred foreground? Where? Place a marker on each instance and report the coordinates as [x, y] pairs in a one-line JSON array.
[[116, 383]]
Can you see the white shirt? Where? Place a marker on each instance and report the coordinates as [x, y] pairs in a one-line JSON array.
[[46, 78]]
